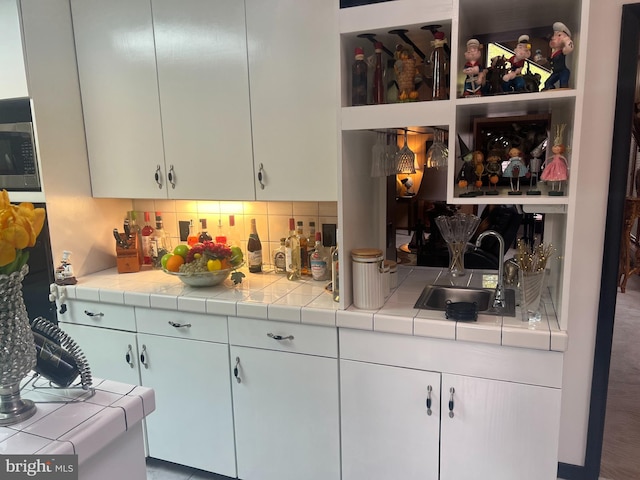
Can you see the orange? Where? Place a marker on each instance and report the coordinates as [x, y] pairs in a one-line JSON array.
[[174, 262]]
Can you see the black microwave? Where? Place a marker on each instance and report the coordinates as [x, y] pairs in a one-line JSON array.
[[18, 163]]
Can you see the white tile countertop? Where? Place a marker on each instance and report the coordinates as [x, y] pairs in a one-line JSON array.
[[271, 296], [70, 421]]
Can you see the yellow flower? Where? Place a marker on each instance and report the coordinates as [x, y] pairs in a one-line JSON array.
[[20, 226]]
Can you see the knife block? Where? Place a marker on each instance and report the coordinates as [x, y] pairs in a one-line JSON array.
[[128, 259]]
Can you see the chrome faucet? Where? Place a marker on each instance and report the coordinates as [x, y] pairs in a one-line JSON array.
[[499, 297]]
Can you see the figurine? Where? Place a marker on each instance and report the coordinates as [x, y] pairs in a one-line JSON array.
[[556, 169], [535, 165], [561, 46], [406, 72], [64, 272], [479, 170], [476, 75], [539, 58], [493, 79], [513, 81], [494, 171], [515, 170], [467, 174]]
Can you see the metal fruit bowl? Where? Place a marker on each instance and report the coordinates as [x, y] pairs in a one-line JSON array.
[[203, 279]]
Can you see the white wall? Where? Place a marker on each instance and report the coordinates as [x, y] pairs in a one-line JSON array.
[[77, 222], [590, 214]]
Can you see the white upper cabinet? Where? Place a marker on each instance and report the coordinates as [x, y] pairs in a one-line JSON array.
[[293, 72], [204, 97], [13, 79]]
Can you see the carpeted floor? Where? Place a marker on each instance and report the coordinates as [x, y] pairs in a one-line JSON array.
[[621, 448]]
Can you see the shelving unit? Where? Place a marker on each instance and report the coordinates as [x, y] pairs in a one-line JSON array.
[[362, 223]]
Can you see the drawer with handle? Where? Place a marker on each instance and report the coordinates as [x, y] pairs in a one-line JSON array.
[[172, 323], [95, 314], [283, 336]]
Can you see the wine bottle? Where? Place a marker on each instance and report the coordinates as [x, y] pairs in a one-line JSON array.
[[305, 270], [359, 79], [292, 252], [254, 249], [204, 235], [53, 362], [146, 232]]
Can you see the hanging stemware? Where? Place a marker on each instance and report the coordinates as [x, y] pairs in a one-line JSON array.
[[438, 153], [405, 158]]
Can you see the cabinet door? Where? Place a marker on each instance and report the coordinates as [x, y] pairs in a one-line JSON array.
[[13, 80], [193, 421], [112, 354], [499, 430], [119, 87], [201, 52], [286, 415], [387, 431], [293, 72]]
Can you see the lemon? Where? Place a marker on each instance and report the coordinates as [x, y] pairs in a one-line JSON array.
[[213, 265]]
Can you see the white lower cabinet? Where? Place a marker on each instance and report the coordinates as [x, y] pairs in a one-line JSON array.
[[286, 401], [193, 421]]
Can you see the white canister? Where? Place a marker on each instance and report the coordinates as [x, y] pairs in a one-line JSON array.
[[386, 278], [368, 276]]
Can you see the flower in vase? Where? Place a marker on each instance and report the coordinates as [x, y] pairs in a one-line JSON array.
[[20, 226]]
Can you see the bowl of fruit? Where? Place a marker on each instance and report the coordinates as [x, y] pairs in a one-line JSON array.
[[204, 264]]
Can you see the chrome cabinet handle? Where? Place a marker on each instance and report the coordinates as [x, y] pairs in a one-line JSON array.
[[172, 177], [451, 391], [429, 390], [129, 356], [91, 314], [179, 325], [261, 176], [158, 176], [236, 370], [143, 357], [279, 337]]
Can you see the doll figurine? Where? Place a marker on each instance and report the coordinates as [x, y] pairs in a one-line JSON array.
[[561, 46], [556, 168], [478, 162], [476, 75], [512, 81], [515, 170], [494, 171]]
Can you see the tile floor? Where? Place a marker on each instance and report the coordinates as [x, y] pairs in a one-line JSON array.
[[160, 470]]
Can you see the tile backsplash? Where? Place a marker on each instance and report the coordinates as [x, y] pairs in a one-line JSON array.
[[272, 218]]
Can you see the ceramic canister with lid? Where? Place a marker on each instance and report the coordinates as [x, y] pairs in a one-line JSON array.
[[393, 274], [368, 277]]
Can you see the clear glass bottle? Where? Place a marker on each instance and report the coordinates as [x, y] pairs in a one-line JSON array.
[[136, 231], [292, 252], [192, 239], [359, 79], [378, 85], [146, 232], [204, 235], [254, 249], [335, 277], [318, 260], [280, 257], [439, 64], [221, 235], [160, 242], [305, 270], [232, 236]]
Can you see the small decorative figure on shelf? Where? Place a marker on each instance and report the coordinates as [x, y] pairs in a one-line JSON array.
[[556, 168], [512, 81], [516, 169], [64, 272], [561, 46], [493, 78], [406, 72], [539, 58], [467, 175], [476, 75], [494, 171], [479, 170], [534, 167]]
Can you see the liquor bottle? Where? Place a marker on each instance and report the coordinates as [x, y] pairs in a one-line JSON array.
[[254, 249], [232, 236], [378, 86], [280, 257], [146, 232], [292, 252], [318, 260], [221, 236], [312, 234], [359, 79], [136, 232], [304, 251], [439, 66], [160, 242], [335, 277], [204, 235], [192, 239]]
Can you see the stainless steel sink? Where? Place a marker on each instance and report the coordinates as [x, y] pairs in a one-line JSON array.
[[436, 297]]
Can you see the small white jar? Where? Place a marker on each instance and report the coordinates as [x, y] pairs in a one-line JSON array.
[[368, 278], [393, 274]]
